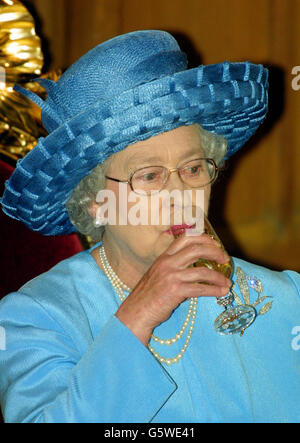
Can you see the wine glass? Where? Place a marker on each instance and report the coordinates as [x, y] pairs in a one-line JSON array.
[[232, 320]]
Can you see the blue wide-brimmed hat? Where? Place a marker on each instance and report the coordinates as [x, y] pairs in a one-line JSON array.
[[126, 89]]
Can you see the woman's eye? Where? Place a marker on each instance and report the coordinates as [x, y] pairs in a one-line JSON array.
[[149, 177], [194, 170]]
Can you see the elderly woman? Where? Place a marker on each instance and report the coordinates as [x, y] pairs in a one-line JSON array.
[[123, 332]]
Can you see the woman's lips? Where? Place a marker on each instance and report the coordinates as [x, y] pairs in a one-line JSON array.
[[178, 229]]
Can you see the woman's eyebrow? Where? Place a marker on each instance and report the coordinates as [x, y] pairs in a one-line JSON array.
[[147, 159], [140, 160], [137, 162]]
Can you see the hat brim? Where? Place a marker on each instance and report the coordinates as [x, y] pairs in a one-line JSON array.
[[229, 99]]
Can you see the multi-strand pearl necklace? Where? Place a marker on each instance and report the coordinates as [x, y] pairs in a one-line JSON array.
[[119, 287]]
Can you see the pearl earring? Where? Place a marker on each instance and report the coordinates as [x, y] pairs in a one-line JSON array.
[[97, 222]]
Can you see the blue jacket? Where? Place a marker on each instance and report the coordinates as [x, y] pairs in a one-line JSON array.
[[65, 357]]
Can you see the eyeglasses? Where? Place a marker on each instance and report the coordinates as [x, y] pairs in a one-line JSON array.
[[196, 173]]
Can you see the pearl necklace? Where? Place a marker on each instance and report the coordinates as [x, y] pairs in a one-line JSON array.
[[119, 287]]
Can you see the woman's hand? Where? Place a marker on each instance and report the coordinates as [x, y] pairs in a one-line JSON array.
[[169, 281]]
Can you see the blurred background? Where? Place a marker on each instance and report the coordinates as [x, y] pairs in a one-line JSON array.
[[256, 202]]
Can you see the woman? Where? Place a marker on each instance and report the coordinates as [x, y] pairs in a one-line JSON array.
[[123, 332]]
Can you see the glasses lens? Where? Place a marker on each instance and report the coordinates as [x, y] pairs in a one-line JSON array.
[[198, 172], [149, 179]]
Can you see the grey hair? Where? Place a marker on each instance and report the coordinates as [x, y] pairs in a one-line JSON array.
[[84, 195], [214, 145], [81, 199]]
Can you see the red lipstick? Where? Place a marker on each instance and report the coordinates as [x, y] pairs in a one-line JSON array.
[[178, 229]]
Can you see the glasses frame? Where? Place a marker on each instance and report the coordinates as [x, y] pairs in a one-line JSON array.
[[170, 171]]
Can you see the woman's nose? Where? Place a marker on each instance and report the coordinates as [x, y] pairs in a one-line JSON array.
[[174, 181]]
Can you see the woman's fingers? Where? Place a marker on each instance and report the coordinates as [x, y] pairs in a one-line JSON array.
[[204, 290], [186, 240], [191, 253], [187, 249], [204, 275]]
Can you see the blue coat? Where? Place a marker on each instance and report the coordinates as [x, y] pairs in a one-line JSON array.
[[65, 357]]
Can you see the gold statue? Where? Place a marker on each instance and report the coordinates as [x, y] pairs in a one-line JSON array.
[[21, 59]]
